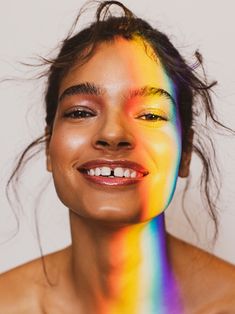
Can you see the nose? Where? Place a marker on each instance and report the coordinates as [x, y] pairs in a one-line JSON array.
[[114, 134]]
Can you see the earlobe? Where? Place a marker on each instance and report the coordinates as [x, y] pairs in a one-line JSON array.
[[186, 156], [48, 162]]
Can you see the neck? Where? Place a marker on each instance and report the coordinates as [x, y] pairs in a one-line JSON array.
[[124, 269]]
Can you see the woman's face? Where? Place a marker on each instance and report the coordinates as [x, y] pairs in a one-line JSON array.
[[116, 142]]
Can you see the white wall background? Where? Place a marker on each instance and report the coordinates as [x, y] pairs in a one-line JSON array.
[[29, 28]]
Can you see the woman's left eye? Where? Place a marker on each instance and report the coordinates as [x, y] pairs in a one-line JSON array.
[[152, 117]]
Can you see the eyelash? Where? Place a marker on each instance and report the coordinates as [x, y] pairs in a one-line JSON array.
[[152, 117], [79, 114]]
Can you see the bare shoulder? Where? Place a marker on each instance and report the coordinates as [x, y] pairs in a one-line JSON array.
[[207, 282], [21, 287]]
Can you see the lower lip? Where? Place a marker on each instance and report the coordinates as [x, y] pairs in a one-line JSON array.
[[112, 181]]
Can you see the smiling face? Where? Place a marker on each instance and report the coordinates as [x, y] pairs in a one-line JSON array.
[[116, 113]]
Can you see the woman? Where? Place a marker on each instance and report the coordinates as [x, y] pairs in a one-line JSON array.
[[120, 105]]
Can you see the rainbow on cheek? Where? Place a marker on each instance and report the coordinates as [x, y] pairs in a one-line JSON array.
[[162, 142]]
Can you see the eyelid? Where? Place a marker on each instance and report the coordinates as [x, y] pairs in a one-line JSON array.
[[155, 111], [67, 114], [78, 108]]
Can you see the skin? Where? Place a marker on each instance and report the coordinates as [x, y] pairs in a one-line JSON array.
[[121, 259]]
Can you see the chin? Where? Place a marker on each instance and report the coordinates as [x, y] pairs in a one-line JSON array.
[[115, 216], [110, 214]]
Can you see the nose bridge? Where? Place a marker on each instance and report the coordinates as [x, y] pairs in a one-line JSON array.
[[114, 123], [114, 130]]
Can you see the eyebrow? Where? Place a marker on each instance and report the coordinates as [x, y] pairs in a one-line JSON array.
[[147, 91], [96, 90], [83, 88]]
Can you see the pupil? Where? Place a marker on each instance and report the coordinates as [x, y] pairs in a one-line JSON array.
[[151, 116]]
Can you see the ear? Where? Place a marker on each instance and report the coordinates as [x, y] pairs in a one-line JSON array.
[[48, 157], [186, 156]]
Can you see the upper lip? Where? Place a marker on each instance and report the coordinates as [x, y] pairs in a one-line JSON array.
[[113, 164]]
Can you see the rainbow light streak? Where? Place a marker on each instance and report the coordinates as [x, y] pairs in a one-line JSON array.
[[145, 283], [162, 289]]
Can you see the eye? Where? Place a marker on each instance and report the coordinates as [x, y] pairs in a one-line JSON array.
[[152, 117], [79, 113]]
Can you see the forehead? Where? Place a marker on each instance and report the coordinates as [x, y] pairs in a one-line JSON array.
[[119, 65]]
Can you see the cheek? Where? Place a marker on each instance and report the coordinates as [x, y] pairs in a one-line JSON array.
[[164, 149], [66, 145], [163, 146], [166, 153]]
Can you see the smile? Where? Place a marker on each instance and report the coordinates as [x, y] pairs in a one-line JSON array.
[[113, 172]]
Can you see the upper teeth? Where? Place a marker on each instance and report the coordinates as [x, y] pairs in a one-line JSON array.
[[117, 172]]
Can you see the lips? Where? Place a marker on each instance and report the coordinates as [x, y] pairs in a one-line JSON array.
[[110, 172]]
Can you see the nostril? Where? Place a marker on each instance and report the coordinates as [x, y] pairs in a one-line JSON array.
[[102, 143], [124, 144]]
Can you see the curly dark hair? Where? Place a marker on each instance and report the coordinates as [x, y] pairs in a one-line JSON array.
[[193, 92]]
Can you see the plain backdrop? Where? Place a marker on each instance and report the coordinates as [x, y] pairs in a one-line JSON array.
[[29, 29]]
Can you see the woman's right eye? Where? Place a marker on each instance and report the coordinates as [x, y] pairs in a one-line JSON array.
[[79, 114]]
